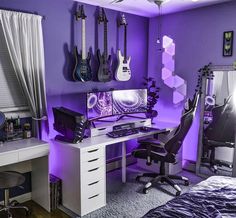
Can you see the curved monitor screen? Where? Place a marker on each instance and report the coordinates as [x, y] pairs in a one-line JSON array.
[[129, 101], [99, 104]]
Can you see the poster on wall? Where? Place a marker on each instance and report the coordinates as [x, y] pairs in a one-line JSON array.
[[228, 43]]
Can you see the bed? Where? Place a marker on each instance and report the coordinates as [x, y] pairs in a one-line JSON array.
[[211, 198]]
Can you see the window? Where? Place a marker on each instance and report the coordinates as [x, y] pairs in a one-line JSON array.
[[11, 95]]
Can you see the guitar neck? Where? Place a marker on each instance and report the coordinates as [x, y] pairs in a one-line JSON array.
[[83, 40], [125, 43], [105, 41]]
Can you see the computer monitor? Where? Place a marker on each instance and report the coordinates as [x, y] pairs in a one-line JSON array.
[[99, 105], [129, 101]]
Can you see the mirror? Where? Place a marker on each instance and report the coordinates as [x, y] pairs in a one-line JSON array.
[[217, 124]]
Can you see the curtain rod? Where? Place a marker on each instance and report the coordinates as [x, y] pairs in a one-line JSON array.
[[223, 67], [35, 13]]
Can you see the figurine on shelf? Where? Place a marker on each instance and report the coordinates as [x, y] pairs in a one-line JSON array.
[[152, 97]]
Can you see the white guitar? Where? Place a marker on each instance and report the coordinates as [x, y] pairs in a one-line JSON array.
[[123, 72]]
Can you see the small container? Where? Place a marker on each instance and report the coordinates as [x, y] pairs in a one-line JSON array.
[[27, 131]]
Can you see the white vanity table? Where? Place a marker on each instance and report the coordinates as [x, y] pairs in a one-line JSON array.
[[29, 155]]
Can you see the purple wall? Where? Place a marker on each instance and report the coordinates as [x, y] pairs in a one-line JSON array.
[[61, 33], [198, 35]]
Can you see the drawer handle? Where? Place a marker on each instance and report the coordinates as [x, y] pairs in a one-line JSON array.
[[91, 151], [93, 196], [93, 160], [93, 169], [93, 183]]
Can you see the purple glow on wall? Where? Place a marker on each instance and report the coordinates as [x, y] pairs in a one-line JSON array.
[[194, 50], [62, 32]]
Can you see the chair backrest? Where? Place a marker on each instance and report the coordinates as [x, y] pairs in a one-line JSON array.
[[175, 143], [222, 127]]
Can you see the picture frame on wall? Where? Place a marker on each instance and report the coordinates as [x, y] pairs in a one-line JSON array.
[[228, 38]]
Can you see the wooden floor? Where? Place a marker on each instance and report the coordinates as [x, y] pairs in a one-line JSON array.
[[36, 212]]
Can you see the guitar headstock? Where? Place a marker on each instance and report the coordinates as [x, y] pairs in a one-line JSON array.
[[102, 16], [122, 21], [206, 72], [80, 14]]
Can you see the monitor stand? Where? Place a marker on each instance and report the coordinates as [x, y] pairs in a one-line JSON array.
[[128, 115], [100, 120]]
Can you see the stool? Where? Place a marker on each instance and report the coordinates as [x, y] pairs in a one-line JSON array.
[[9, 180]]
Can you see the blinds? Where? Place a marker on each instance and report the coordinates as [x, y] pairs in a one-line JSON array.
[[11, 95]]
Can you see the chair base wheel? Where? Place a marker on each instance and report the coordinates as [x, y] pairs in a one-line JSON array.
[[177, 193], [27, 212], [145, 191], [186, 183], [138, 178]]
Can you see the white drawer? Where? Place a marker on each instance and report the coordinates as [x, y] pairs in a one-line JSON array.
[[94, 188], [93, 175], [92, 153], [8, 158], [92, 164], [28, 154], [93, 203]]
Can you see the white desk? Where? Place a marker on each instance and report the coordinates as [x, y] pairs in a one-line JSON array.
[[82, 168], [36, 153]]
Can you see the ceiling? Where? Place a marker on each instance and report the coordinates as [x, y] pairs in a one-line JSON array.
[[149, 9]]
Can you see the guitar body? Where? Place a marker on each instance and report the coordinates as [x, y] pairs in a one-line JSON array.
[[82, 71], [105, 68], [123, 72]]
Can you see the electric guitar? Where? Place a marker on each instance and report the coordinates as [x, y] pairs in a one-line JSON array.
[[123, 72], [82, 70], [105, 62]]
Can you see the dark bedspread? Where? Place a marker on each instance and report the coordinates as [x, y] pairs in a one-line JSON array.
[[212, 198]]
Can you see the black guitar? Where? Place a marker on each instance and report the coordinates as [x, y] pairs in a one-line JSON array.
[[82, 71], [105, 62]]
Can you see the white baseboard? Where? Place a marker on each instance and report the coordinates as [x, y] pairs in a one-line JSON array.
[[189, 165], [21, 198]]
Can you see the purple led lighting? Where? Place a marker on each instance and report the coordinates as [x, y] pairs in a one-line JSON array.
[[171, 49], [166, 58], [165, 73], [167, 41], [170, 79]]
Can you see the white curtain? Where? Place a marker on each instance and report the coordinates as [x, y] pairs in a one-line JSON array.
[[24, 37], [220, 86], [232, 82]]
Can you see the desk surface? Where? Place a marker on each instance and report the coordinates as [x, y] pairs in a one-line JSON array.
[[22, 150], [104, 140], [21, 144]]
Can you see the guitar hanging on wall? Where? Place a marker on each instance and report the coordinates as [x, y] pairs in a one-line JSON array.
[[105, 62], [123, 72], [82, 71]]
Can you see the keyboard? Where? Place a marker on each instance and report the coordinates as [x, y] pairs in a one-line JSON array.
[[123, 132]]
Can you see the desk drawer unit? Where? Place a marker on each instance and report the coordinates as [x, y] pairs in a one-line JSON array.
[[93, 191], [92, 179], [93, 203], [92, 153]]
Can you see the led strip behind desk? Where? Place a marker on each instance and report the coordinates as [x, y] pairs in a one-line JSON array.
[[31, 152], [82, 168]]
